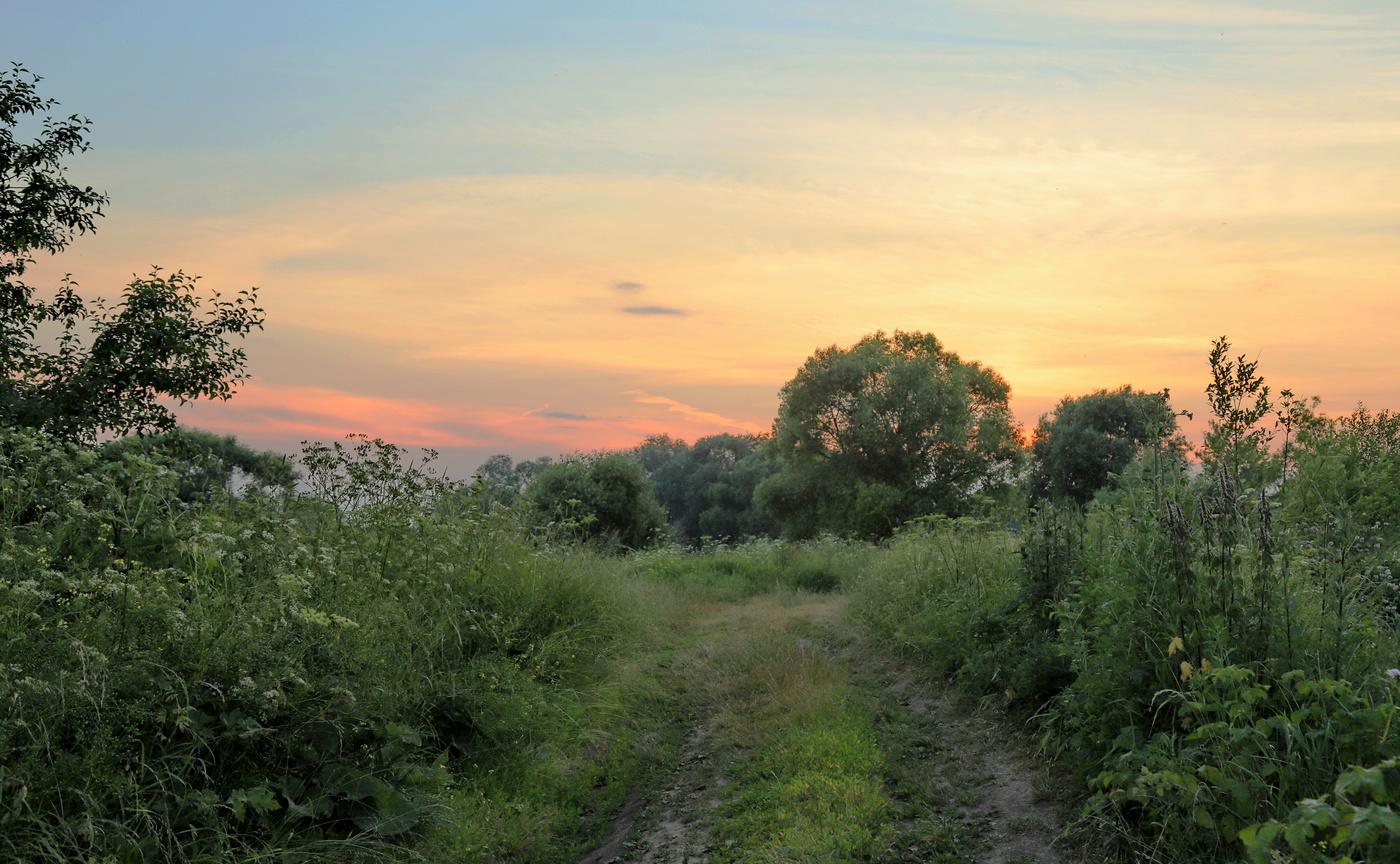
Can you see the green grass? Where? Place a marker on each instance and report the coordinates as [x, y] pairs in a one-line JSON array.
[[733, 573], [806, 774], [374, 670]]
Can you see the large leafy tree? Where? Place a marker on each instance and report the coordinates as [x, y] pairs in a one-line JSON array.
[[1088, 439], [110, 366], [892, 428]]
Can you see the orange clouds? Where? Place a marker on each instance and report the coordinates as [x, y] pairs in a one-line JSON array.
[[703, 418], [1075, 217], [262, 412]]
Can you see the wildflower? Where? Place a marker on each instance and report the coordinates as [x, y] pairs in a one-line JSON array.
[[1206, 666], [1186, 671], [1176, 645], [1393, 673]]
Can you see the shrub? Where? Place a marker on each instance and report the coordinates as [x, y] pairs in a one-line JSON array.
[[303, 675], [605, 499]]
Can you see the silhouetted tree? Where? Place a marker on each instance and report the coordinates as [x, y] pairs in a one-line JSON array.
[[110, 366], [892, 428], [1088, 439]]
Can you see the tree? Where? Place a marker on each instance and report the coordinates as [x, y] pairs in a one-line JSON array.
[[1239, 400], [206, 462], [708, 489], [605, 499], [657, 452], [500, 479], [1076, 450], [890, 429], [110, 365], [39, 208]]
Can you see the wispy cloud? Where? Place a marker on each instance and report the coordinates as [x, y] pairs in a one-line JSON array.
[[265, 410], [690, 412], [1084, 202], [654, 310], [561, 415], [268, 415], [1202, 13]]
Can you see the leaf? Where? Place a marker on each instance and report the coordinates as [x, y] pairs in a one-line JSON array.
[[1203, 818], [1361, 781], [396, 814], [257, 799], [351, 783]]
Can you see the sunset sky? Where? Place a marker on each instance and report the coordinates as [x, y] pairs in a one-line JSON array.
[[535, 227]]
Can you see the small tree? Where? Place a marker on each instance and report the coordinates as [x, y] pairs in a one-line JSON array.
[[1239, 400], [1076, 450], [605, 499], [110, 365]]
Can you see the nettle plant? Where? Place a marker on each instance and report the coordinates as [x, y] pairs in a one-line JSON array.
[[1228, 645], [1240, 752]]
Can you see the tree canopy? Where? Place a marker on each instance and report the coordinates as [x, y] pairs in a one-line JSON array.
[[1078, 448], [893, 428], [708, 489], [605, 498], [500, 479], [206, 462], [110, 365]]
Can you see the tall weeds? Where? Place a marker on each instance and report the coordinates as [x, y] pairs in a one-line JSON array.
[[1205, 649], [317, 676]]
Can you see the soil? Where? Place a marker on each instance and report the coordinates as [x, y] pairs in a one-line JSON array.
[[1021, 824], [991, 779], [671, 825]]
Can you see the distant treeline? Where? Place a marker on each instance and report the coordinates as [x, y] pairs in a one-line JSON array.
[[868, 439]]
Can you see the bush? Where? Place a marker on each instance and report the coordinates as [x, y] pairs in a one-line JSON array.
[[1205, 650], [314, 676], [756, 567], [603, 499]]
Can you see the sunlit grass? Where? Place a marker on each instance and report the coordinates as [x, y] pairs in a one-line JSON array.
[[806, 772]]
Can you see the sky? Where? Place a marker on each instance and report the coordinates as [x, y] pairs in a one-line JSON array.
[[539, 227]]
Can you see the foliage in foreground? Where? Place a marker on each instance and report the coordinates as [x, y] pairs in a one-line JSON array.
[[296, 677], [1208, 653]]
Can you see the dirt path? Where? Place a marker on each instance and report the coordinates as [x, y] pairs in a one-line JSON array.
[[993, 785], [670, 825], [960, 791]]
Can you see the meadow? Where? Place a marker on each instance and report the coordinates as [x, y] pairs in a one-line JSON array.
[[377, 665]]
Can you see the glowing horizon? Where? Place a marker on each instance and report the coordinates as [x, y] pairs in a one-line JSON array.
[[537, 230]]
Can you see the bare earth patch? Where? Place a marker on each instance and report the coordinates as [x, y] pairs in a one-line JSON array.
[[990, 781], [969, 794]]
